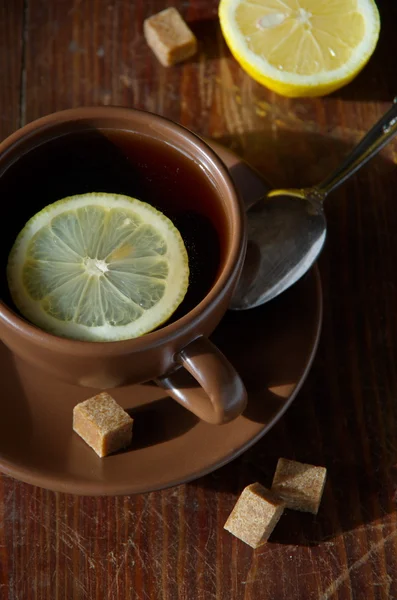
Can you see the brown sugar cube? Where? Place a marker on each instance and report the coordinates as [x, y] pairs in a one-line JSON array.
[[299, 485], [255, 515], [169, 37], [102, 424]]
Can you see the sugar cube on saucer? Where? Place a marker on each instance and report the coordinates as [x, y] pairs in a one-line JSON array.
[[102, 424], [169, 37], [255, 515], [300, 485]]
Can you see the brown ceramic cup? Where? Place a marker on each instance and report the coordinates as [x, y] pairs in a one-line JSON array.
[[215, 393]]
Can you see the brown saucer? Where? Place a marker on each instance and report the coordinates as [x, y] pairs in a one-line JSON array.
[[272, 347]]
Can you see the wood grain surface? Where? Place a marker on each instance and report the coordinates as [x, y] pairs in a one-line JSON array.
[[171, 545]]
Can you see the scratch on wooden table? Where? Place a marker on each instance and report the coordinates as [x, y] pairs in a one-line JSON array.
[[209, 568], [92, 563], [209, 536], [233, 119], [137, 551], [71, 538], [141, 515], [114, 585], [155, 511], [127, 81], [335, 585], [77, 583], [316, 573]]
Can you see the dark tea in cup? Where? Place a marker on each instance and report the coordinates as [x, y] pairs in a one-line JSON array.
[[117, 161]]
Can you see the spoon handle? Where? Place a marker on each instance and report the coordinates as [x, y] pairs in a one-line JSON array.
[[380, 134]]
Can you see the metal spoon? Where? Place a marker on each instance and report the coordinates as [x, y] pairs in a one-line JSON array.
[[287, 228]]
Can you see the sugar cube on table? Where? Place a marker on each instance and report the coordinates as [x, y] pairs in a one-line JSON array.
[[255, 515], [300, 485], [169, 37], [103, 424]]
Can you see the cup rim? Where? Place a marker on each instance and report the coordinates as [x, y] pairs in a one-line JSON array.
[[232, 263]]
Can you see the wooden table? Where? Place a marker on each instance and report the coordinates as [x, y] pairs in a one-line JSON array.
[[170, 545]]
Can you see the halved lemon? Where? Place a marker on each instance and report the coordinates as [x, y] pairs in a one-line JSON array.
[[98, 267], [301, 47]]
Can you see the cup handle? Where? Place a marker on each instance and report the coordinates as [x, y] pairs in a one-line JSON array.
[[221, 396]]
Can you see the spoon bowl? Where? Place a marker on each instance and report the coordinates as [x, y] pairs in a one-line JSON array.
[[285, 235]]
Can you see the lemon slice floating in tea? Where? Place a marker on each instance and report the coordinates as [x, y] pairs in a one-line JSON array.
[[301, 47], [98, 267]]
